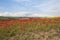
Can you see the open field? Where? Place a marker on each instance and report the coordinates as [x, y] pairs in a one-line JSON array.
[[30, 29]]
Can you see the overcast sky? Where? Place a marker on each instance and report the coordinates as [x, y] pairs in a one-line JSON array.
[[30, 8]]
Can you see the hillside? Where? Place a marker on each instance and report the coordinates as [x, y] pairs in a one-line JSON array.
[[30, 28]]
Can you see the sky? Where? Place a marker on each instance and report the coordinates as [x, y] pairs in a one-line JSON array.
[[29, 8]]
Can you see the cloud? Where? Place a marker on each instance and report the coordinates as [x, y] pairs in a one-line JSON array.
[[52, 7], [27, 9], [14, 14], [40, 15], [37, 15], [24, 14], [21, 0]]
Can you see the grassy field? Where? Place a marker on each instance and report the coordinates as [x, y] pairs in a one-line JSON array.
[[47, 28]]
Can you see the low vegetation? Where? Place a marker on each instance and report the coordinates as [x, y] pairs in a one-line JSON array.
[[30, 29]]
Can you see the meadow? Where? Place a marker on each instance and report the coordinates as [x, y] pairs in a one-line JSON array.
[[43, 28]]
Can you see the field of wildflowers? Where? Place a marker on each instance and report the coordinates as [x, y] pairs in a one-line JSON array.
[[10, 28]]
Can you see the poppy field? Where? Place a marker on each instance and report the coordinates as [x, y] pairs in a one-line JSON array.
[[11, 28]]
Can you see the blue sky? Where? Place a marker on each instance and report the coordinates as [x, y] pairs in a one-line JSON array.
[[30, 8]]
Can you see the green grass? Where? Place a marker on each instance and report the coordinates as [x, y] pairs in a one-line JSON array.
[[6, 33]]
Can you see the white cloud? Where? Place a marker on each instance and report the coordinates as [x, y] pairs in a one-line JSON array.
[[40, 15], [52, 7], [20, 0], [36, 15], [14, 14], [24, 14]]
